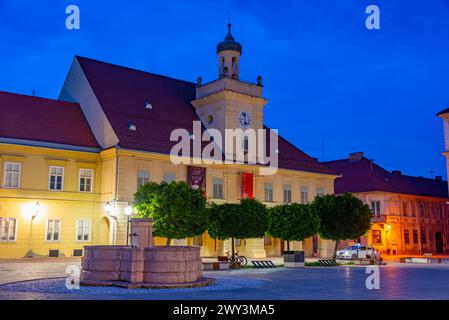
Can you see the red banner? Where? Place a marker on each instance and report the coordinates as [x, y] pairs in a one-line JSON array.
[[247, 185], [196, 177]]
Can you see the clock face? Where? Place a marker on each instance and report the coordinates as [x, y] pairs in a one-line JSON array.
[[244, 119]]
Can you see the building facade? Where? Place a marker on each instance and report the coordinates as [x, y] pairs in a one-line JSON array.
[[70, 183], [410, 214]]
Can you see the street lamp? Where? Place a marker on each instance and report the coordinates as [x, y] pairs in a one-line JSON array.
[[128, 212]]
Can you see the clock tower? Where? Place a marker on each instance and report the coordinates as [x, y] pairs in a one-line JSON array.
[[228, 102]]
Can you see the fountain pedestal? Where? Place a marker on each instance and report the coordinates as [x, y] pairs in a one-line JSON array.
[[141, 264]]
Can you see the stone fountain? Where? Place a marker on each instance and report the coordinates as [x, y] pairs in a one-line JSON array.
[[142, 265]]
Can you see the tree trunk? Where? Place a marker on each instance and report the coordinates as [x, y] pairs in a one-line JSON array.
[[232, 250], [335, 249], [168, 242], [288, 245]]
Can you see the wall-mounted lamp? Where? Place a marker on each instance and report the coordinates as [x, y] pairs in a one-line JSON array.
[[388, 227], [35, 210], [129, 210], [110, 210]]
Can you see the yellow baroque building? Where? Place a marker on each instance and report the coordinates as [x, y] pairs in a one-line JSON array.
[[71, 166]]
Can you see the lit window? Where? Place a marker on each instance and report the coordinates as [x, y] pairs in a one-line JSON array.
[[217, 188], [86, 178], [143, 177], [11, 175], [169, 177], [83, 230], [268, 197], [304, 195], [8, 229], [53, 230], [377, 236], [56, 178], [287, 193]]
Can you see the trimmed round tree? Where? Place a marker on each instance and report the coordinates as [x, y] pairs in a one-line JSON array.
[[247, 219], [293, 222], [177, 211], [342, 217]]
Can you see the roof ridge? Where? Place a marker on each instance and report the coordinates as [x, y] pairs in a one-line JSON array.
[[133, 69], [38, 98]]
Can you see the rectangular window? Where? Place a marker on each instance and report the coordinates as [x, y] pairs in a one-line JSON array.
[[375, 207], [238, 242], [404, 209], [423, 236], [304, 195], [287, 193], [422, 210], [406, 236], [56, 178], [217, 188], [143, 177], [53, 230], [83, 230], [320, 192], [437, 211], [11, 175], [268, 192], [415, 236], [197, 240], [86, 178], [377, 237], [169, 177], [8, 229]]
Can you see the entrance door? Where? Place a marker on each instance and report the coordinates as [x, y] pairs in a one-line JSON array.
[[439, 242]]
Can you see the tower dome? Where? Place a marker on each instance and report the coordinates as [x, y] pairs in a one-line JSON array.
[[229, 43]]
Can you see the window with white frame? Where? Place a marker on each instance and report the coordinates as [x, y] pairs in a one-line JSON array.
[[320, 192], [217, 191], [11, 175], [287, 193], [56, 178], [8, 229], [375, 207], [53, 230], [86, 178], [83, 230], [143, 177], [304, 195], [268, 192], [169, 177]]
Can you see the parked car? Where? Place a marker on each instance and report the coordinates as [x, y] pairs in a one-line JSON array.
[[351, 252]]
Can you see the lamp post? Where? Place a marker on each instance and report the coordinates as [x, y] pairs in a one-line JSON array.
[[35, 209], [110, 211], [388, 228], [128, 212]]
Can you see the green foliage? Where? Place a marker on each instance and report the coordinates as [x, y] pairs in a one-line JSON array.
[[293, 222], [177, 210], [342, 217], [247, 219]]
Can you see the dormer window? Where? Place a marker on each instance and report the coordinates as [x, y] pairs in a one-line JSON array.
[[148, 106], [132, 127]]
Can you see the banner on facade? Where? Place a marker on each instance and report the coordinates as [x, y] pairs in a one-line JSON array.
[[247, 185], [196, 177]]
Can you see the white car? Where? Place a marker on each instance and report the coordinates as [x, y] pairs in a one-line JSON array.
[[351, 252]]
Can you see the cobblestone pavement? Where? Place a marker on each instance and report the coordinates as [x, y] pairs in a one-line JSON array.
[[397, 281]]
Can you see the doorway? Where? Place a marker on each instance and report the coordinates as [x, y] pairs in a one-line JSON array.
[[439, 242]]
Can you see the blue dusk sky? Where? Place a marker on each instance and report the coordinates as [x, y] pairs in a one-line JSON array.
[[327, 78]]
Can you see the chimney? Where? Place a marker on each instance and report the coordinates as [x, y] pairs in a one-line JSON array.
[[356, 156], [439, 178], [396, 172]]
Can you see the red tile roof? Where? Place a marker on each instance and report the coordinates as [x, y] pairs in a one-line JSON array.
[[366, 176], [122, 93], [38, 119]]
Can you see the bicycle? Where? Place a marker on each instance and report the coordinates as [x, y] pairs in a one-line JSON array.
[[237, 258]]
